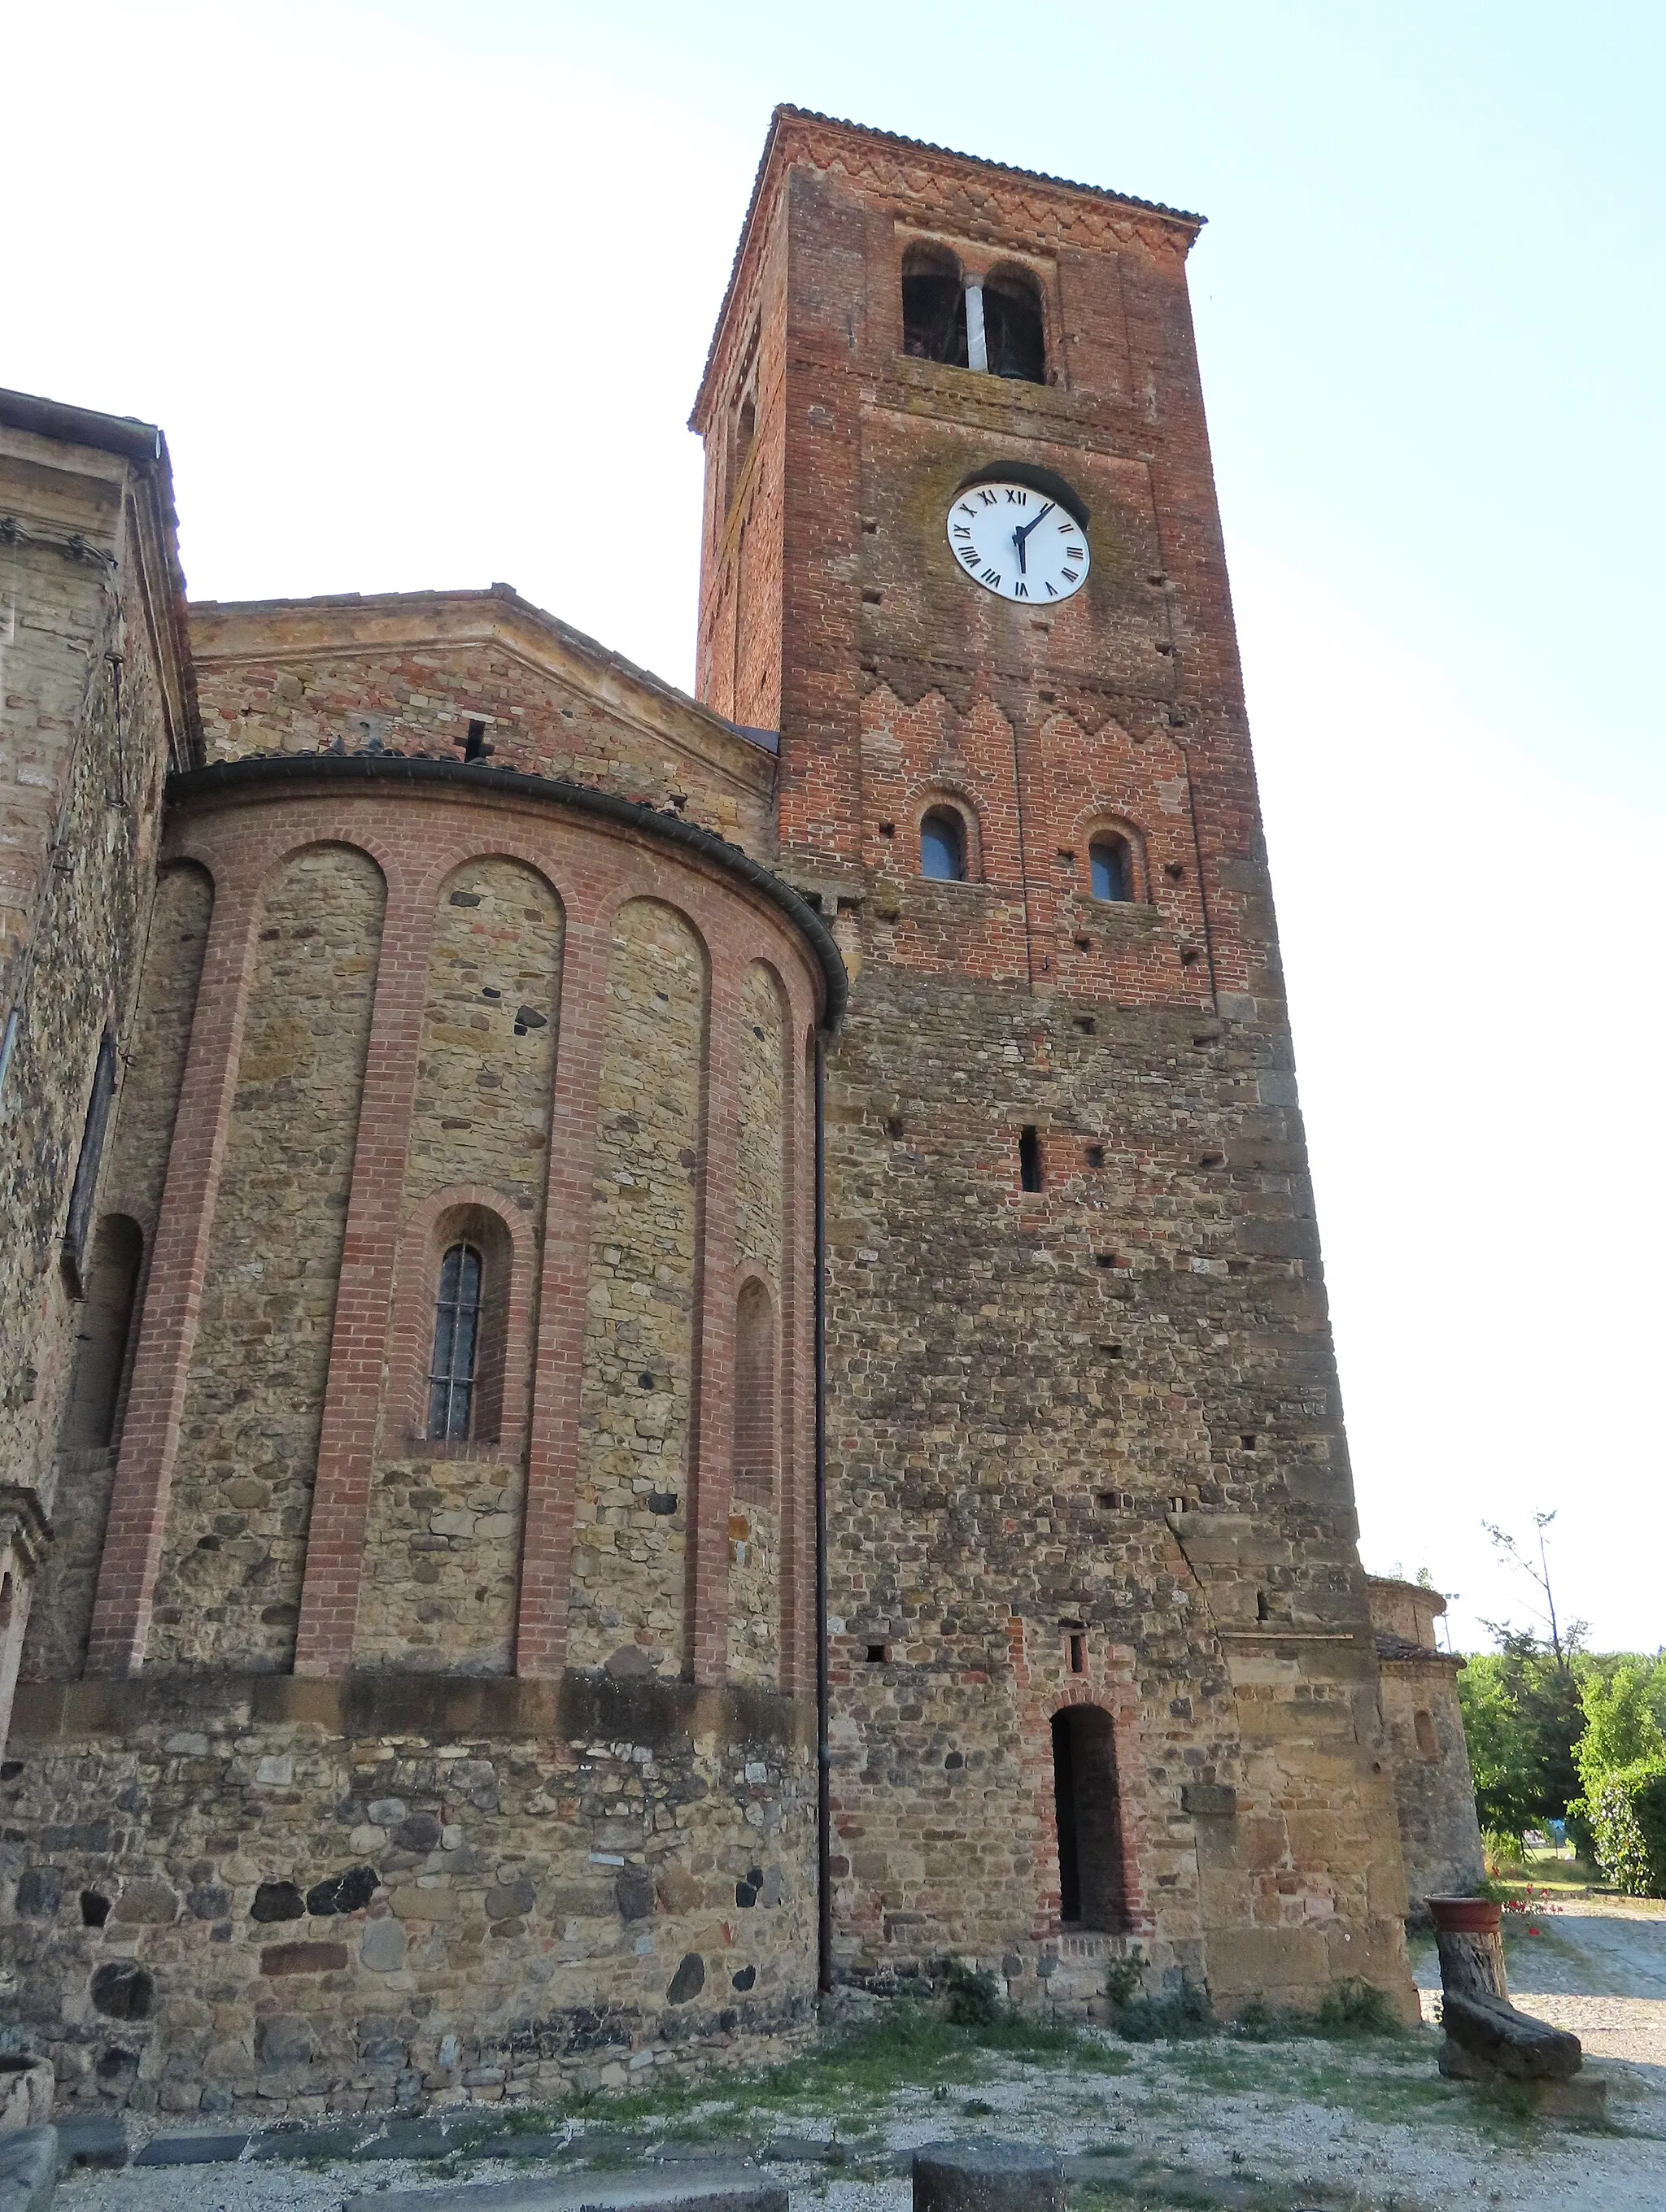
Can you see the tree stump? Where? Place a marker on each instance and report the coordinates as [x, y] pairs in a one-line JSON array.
[[1488, 2040], [1467, 1935]]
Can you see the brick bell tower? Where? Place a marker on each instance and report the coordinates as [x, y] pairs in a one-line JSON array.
[[1101, 1658]]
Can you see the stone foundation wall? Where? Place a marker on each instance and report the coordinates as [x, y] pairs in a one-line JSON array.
[[272, 1897]]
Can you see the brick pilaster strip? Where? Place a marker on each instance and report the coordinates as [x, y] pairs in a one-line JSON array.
[[358, 1335], [552, 1461], [178, 1264], [797, 1600], [711, 1445]]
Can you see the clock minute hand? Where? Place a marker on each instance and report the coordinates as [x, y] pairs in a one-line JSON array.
[[1018, 536]]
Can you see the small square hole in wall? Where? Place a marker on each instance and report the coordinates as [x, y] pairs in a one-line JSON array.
[[887, 828], [877, 1654], [1087, 1024], [1077, 1653], [1116, 1260], [1096, 1156], [1113, 1501], [1248, 1443], [1177, 1503], [1111, 1351]]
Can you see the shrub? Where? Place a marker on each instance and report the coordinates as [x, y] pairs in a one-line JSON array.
[[1123, 1976], [1628, 1813], [1164, 2020], [974, 1999], [1356, 2007]]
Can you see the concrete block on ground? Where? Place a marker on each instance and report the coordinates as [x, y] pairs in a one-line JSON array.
[[194, 2151], [29, 2169], [982, 2173], [99, 2141], [715, 2188]]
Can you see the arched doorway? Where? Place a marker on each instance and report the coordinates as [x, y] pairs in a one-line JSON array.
[[1091, 1892]]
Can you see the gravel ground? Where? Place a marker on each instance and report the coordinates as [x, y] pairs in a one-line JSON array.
[[1369, 2124]]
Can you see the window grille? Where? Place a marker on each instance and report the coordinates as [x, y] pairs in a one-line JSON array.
[[456, 1344]]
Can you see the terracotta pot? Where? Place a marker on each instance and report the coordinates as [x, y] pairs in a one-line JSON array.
[[1465, 1916]]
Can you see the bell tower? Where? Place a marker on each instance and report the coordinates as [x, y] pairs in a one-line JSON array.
[[1102, 1662]]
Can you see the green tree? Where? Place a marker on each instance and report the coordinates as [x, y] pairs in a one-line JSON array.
[[1621, 1728], [1522, 1717]]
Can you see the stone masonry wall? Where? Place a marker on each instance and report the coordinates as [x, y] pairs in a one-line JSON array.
[[631, 1509], [411, 672], [132, 1188], [94, 706], [229, 1589], [263, 1897], [755, 1510]]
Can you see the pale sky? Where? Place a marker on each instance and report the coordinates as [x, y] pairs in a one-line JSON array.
[[420, 295]]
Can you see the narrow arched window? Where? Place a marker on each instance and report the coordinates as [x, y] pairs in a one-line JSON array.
[[934, 306], [943, 846], [456, 1344], [1110, 867], [1012, 331]]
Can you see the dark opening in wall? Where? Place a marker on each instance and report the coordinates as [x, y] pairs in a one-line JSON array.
[[1261, 1613], [1110, 866], [475, 746], [94, 1909], [102, 1328], [1012, 330], [934, 306], [1078, 1653], [1029, 1159], [1248, 1443], [1096, 1156], [877, 1654], [1085, 1797]]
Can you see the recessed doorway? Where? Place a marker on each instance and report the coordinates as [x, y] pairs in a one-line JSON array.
[[1091, 1895]]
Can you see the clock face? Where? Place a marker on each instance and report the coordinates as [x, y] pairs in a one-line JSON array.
[[1018, 543]]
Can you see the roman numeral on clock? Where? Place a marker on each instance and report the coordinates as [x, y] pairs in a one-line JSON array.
[[991, 577]]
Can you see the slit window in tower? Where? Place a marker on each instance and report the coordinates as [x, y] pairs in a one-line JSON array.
[[456, 1344], [1029, 1159]]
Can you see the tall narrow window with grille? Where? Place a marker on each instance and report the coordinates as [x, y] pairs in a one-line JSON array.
[[456, 1345]]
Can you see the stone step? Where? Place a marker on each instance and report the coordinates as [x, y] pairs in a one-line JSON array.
[[715, 2187]]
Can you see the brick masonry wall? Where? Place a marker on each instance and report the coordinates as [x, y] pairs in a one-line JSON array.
[[1107, 1412]]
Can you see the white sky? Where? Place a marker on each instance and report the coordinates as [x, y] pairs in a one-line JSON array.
[[421, 294]]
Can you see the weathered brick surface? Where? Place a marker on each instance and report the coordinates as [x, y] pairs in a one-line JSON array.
[[1104, 1415]]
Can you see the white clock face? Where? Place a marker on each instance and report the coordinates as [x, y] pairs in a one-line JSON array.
[[1018, 543]]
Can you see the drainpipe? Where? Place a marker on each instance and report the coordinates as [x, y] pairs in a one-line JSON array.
[[823, 1754]]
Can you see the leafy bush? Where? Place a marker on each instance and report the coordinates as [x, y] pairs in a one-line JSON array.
[[1628, 1813], [1123, 1978], [1165, 2020], [974, 1998], [1356, 2007]]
